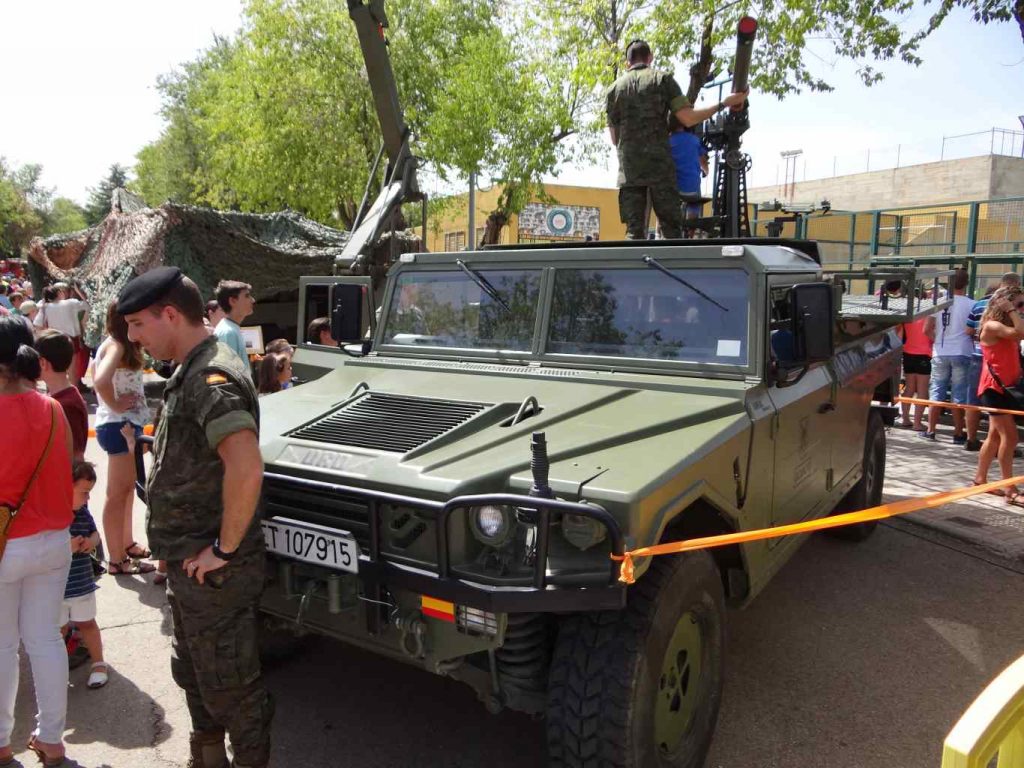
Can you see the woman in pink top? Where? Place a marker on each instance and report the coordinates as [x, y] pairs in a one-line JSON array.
[[34, 566], [917, 367]]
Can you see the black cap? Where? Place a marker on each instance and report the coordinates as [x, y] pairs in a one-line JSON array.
[[147, 289]]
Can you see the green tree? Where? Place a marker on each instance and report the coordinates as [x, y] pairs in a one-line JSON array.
[[19, 221], [64, 215], [98, 205], [172, 167]]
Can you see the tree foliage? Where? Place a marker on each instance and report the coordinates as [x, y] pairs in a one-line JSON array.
[[281, 116], [98, 205], [19, 221], [64, 215]]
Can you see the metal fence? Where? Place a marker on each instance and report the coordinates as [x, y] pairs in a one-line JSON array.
[[849, 239]]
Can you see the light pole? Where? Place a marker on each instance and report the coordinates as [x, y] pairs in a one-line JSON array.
[[789, 178]]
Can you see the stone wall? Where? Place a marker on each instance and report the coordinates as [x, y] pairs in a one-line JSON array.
[[949, 181]]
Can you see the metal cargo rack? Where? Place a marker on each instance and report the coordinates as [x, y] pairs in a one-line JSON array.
[[895, 295]]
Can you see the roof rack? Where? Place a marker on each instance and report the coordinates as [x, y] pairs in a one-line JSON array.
[[891, 295]]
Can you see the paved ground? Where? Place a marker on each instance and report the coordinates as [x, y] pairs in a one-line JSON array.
[[856, 655], [917, 467]]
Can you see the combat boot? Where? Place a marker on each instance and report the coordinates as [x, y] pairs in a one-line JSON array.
[[207, 750]]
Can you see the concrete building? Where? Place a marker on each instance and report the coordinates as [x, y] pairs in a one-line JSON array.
[[987, 177]]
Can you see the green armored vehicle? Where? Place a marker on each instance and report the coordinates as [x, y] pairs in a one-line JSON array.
[[451, 484], [452, 497]]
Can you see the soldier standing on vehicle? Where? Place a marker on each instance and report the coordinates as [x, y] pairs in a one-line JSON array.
[[203, 494], [638, 106]]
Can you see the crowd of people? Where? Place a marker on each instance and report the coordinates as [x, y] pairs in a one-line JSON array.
[[969, 355], [53, 556]]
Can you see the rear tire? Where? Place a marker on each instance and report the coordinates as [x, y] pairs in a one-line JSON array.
[[868, 490], [641, 687]]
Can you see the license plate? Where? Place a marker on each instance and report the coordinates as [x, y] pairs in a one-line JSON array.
[[312, 543]]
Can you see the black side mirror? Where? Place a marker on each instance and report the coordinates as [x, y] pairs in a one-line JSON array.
[[812, 313], [347, 312]]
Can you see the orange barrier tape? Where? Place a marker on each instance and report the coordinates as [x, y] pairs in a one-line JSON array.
[[626, 572], [146, 430], [915, 401]]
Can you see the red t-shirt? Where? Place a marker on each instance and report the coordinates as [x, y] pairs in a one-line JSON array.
[[77, 411], [26, 420], [1003, 358], [914, 340]]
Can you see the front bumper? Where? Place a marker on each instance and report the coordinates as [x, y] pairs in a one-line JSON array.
[[360, 509]]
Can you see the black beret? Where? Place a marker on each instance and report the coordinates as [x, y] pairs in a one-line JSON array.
[[147, 289]]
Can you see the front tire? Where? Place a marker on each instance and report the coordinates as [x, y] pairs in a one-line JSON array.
[[868, 490], [641, 687]]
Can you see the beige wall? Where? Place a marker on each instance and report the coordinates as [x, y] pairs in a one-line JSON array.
[[950, 181], [455, 216], [1007, 176]]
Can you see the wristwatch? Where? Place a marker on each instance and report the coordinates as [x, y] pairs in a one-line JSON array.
[[721, 106], [220, 553]]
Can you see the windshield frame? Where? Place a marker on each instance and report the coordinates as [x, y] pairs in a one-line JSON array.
[[538, 355], [475, 353], [620, 362]]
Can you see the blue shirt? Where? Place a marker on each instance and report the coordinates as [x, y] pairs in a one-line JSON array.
[[228, 332], [974, 320], [80, 579], [687, 151]]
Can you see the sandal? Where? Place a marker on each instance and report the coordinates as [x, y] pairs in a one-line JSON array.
[[994, 491], [140, 553], [46, 760], [1013, 496], [7, 759], [98, 677], [129, 567]]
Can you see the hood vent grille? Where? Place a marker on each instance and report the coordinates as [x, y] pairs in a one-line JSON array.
[[389, 422]]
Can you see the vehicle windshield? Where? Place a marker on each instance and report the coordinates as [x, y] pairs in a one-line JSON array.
[[645, 313], [453, 309]]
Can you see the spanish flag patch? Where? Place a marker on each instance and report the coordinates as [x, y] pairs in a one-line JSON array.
[[437, 609], [216, 378]]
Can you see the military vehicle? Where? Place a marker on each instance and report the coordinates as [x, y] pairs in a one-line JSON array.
[[451, 487]]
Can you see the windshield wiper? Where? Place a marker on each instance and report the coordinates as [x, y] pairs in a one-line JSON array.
[[651, 262], [484, 285]]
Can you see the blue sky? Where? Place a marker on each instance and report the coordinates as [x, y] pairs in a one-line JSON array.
[[81, 78]]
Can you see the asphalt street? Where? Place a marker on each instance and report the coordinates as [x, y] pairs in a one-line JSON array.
[[856, 655]]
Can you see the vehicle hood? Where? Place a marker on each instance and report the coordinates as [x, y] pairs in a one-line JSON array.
[[629, 430]]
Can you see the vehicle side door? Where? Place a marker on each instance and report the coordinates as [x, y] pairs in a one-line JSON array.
[[804, 405], [346, 299]]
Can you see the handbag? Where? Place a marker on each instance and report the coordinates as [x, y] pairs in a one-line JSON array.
[[1013, 392], [7, 511]]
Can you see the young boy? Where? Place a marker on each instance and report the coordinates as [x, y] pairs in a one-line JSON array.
[[80, 593], [56, 353], [691, 159]]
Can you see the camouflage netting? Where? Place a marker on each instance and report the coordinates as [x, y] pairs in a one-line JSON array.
[[270, 251]]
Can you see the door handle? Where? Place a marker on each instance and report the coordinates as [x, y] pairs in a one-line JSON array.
[[826, 407]]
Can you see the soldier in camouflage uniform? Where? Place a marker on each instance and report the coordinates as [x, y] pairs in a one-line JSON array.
[[203, 493], [638, 106]]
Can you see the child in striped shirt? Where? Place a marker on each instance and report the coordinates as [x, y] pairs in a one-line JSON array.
[[79, 606]]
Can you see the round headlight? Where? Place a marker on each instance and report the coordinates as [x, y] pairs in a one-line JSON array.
[[490, 524]]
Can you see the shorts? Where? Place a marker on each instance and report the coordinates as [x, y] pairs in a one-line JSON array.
[[917, 364], [973, 380], [110, 438], [949, 379], [78, 609], [992, 399]]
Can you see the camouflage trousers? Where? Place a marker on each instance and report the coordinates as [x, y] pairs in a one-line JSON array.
[[215, 658], [633, 209]]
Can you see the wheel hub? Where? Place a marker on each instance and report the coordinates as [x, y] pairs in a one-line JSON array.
[[678, 684]]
